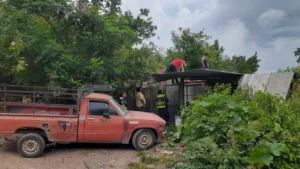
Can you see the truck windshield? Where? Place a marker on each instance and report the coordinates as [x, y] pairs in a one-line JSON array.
[[119, 107]]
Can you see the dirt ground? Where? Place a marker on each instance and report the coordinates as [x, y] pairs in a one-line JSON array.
[[75, 156]]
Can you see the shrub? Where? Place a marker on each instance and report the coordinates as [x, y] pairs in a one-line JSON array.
[[224, 131]]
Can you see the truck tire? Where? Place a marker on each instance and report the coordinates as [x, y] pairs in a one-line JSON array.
[[143, 139], [31, 145]]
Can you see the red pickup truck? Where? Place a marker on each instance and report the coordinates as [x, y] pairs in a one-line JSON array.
[[99, 119]]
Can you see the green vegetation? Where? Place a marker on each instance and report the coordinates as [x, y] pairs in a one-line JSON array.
[[294, 90], [237, 131], [192, 46], [233, 131], [297, 54], [151, 162], [58, 42], [61, 43]]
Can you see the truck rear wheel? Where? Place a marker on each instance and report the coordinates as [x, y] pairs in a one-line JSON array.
[[31, 145], [143, 139]]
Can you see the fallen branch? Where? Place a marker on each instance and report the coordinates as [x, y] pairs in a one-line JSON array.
[[164, 151], [86, 165]]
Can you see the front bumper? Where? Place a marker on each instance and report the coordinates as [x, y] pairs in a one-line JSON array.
[[160, 134]]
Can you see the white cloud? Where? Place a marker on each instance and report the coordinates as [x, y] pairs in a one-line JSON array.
[[271, 18], [235, 38], [232, 31], [184, 17], [280, 54]]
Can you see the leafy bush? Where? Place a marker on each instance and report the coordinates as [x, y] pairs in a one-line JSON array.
[[224, 131]]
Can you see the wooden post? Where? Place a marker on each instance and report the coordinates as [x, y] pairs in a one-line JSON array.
[[34, 94], [4, 93], [181, 92]]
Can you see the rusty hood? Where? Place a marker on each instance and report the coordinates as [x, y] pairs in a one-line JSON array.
[[137, 115]]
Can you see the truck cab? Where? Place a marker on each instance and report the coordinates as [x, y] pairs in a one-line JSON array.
[[103, 119]]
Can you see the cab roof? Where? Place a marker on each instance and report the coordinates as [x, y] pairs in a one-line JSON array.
[[98, 96]]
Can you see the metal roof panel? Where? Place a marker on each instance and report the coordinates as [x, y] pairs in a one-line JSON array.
[[274, 83], [280, 83]]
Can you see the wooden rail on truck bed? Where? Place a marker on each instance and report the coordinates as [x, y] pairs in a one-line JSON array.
[[46, 97], [38, 115]]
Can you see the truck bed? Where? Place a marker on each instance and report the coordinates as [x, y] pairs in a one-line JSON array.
[[21, 108], [56, 121]]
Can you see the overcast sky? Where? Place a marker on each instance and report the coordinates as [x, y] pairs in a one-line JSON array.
[[243, 27]]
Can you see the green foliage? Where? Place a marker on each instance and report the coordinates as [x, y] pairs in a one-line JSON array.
[[70, 44], [170, 137], [288, 69], [192, 46], [294, 90], [243, 65], [188, 46], [229, 131], [139, 64], [151, 162], [297, 54], [138, 166]]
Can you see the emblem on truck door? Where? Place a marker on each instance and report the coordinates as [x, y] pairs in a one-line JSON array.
[[64, 125]]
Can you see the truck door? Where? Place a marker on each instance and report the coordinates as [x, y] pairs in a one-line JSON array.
[[100, 129]]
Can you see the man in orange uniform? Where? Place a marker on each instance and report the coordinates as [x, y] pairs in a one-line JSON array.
[[176, 65]]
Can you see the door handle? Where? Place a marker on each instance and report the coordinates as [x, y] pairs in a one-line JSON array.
[[91, 118]]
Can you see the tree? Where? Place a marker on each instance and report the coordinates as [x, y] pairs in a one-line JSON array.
[[215, 56], [253, 63], [69, 44], [297, 54], [243, 65], [288, 69], [140, 64], [191, 47]]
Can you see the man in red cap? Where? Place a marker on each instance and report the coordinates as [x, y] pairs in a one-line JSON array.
[[176, 65]]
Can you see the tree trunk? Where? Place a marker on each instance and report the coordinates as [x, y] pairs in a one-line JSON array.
[[141, 84]]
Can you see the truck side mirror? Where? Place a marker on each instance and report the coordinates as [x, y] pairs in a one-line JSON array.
[[106, 115]]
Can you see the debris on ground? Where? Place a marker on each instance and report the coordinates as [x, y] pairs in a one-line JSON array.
[[162, 151], [156, 158], [91, 156]]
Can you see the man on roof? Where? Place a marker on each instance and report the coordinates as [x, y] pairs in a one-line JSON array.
[[204, 61], [176, 65]]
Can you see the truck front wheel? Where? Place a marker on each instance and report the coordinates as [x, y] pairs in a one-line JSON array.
[[143, 139], [31, 145]]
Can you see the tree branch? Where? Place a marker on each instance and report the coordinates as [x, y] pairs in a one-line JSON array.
[[52, 26]]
